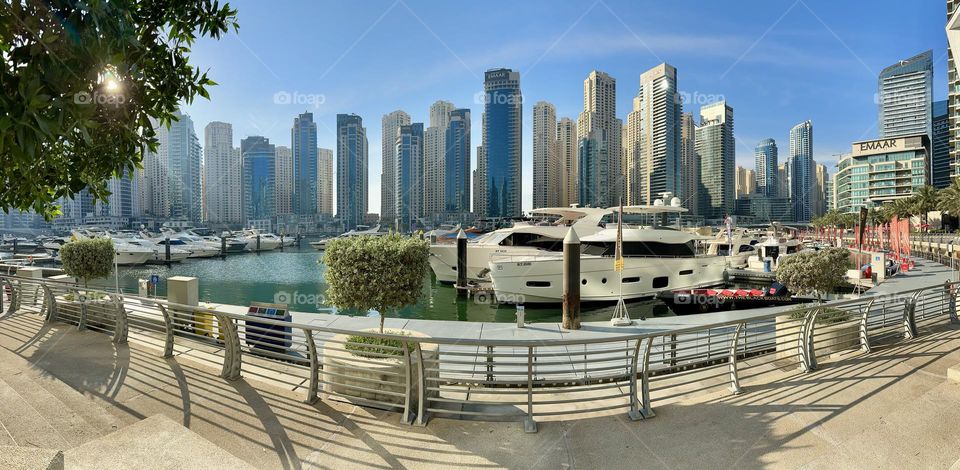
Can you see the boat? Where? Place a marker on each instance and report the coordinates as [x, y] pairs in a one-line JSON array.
[[689, 301], [192, 243], [738, 247], [126, 253], [19, 245], [771, 251], [360, 231], [268, 241], [525, 238], [655, 259], [159, 252]]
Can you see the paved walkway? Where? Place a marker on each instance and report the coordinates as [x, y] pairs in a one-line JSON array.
[[891, 408]]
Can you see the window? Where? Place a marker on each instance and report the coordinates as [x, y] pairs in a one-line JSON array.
[[630, 280], [686, 272], [660, 282], [538, 283]]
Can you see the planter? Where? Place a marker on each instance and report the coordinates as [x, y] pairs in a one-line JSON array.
[[101, 313], [827, 339], [343, 371]]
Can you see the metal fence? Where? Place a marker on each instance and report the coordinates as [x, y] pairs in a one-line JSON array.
[[523, 380]]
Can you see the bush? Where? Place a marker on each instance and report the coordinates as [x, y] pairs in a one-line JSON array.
[[829, 315], [375, 273], [365, 346], [88, 259], [814, 272]]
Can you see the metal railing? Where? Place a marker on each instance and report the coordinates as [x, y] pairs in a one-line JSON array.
[[496, 379]]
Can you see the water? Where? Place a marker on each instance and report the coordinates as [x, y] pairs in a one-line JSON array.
[[295, 277]]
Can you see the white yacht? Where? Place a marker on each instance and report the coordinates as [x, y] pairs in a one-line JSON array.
[[268, 241], [655, 259], [524, 238], [738, 247], [770, 251], [193, 243], [159, 252], [126, 254], [360, 231]]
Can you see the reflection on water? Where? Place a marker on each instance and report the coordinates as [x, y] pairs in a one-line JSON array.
[[295, 277]]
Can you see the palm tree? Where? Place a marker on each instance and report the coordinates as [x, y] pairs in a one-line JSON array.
[[925, 200], [949, 200]]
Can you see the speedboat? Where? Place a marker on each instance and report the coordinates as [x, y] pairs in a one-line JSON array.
[[525, 238], [18, 245], [159, 252], [654, 260], [194, 244], [268, 241], [360, 231], [737, 247], [126, 254], [771, 251]]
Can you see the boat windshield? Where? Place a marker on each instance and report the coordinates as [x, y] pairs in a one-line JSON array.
[[533, 240], [641, 249]]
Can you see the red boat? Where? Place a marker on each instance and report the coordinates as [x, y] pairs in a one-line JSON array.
[[688, 301]]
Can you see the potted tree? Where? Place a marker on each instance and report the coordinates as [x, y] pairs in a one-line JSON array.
[[815, 273], [385, 274], [85, 260]]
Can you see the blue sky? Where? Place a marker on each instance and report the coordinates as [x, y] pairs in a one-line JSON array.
[[777, 62]]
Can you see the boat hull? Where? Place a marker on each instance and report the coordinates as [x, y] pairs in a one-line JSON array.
[[443, 259]]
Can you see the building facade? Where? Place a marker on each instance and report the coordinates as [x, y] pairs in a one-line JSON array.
[[223, 176], [592, 171], [766, 164], [652, 138], [434, 154], [259, 178], [325, 182], [546, 167], [499, 163], [689, 164], [456, 169], [409, 177], [716, 150], [600, 112], [953, 84], [746, 180], [879, 171], [567, 159], [285, 187], [352, 158], [389, 125], [802, 171], [303, 138], [905, 97], [940, 146]]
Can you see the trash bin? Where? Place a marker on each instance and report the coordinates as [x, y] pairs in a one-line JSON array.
[[266, 336], [767, 265]]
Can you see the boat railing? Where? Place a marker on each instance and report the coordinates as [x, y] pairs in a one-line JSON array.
[[517, 376]]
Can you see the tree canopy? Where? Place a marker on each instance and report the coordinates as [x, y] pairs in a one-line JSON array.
[[817, 272], [88, 259], [82, 84]]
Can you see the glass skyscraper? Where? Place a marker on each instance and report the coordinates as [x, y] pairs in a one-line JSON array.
[[801, 171], [303, 139], [593, 155], [503, 111], [456, 179], [351, 170], [259, 177], [766, 167], [409, 176], [940, 153], [905, 96], [716, 150]]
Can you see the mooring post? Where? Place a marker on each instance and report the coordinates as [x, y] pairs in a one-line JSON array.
[[571, 281], [258, 242], [166, 250], [223, 247], [461, 264]]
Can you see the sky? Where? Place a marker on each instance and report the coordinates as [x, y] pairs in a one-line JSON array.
[[776, 62]]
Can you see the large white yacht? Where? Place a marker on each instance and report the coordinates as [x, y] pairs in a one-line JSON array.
[[191, 242], [268, 241], [772, 250], [126, 254], [523, 239], [655, 259], [737, 247], [360, 231]]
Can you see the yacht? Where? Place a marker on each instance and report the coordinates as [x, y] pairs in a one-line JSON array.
[[268, 241], [194, 244], [18, 245], [542, 235], [126, 253], [159, 252], [360, 231], [738, 247], [772, 250], [655, 259]]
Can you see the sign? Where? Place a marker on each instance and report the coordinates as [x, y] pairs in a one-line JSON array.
[[154, 279]]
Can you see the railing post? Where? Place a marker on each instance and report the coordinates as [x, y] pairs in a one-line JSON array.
[[168, 331], [422, 390], [529, 424], [647, 410], [82, 322], [51, 302], [313, 386], [864, 335], [634, 411], [732, 361], [951, 292], [14, 297], [232, 359], [120, 326], [909, 317], [407, 417], [808, 355]]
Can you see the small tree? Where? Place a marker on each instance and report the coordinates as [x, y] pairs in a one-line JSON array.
[[814, 272], [383, 273], [88, 259]]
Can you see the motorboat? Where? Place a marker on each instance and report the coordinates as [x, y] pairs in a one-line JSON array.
[[19, 245], [159, 252], [192, 243], [542, 235], [360, 231], [737, 246], [267, 241], [654, 260], [772, 250], [233, 244], [126, 254]]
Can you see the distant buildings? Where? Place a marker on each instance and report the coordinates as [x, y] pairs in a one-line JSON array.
[[434, 157], [593, 170], [801, 171], [881, 170], [325, 181], [766, 167], [819, 197], [352, 166], [283, 171], [498, 162], [390, 124], [259, 179], [409, 177], [746, 181], [303, 137], [783, 179], [689, 164], [905, 95], [653, 137], [546, 165], [940, 144], [456, 168], [600, 113], [171, 176], [567, 158], [223, 180], [716, 151]]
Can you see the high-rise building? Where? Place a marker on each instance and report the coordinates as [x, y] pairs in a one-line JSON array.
[[689, 164], [593, 166], [285, 187], [479, 182], [746, 179], [325, 181], [352, 156], [409, 176], [953, 84], [259, 178], [766, 167], [223, 175], [390, 124], [546, 168], [498, 164], [716, 150], [434, 157], [456, 168], [879, 171], [600, 112], [303, 138], [818, 194], [567, 160], [905, 95], [802, 171], [172, 173], [653, 134], [783, 180], [940, 143]]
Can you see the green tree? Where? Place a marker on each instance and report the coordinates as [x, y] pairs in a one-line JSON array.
[[383, 273], [88, 258], [949, 200], [926, 199], [815, 273], [82, 83]]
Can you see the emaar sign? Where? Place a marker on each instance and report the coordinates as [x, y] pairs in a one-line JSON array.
[[877, 146]]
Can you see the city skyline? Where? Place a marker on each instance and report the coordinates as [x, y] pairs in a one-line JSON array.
[[844, 113]]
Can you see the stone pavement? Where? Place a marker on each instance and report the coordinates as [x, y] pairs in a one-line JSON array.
[[892, 408]]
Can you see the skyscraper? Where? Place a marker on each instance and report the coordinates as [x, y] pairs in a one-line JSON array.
[[783, 179], [409, 176], [689, 164], [567, 159], [172, 173], [352, 155], [499, 161], [259, 178], [223, 178], [434, 158], [746, 179], [325, 181], [716, 150], [940, 159], [600, 112], [592, 171], [766, 167], [953, 83], [303, 137], [283, 171], [819, 197], [456, 168], [905, 96], [390, 123], [546, 168], [802, 171], [653, 133]]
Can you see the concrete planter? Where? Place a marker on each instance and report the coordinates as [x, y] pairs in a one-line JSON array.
[[827, 339], [376, 375], [101, 313]]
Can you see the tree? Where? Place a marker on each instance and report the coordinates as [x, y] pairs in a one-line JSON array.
[[816, 273], [82, 84], [926, 199], [383, 273], [88, 259]]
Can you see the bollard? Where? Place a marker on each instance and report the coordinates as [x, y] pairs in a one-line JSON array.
[[281, 241], [571, 281], [461, 264], [166, 248], [520, 316], [258, 243], [223, 247]]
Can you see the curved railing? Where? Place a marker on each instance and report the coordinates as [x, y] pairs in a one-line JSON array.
[[589, 371]]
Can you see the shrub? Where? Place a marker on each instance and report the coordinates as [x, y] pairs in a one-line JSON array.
[[814, 272], [829, 315], [375, 273], [88, 259], [365, 346]]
